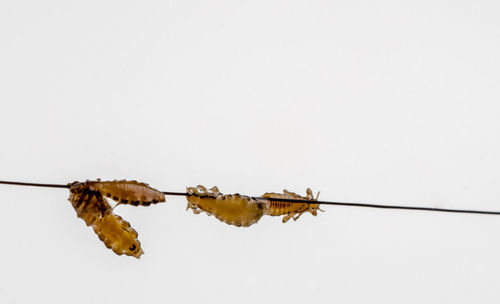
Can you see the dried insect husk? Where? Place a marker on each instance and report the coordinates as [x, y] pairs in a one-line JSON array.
[[232, 209], [128, 192], [112, 230], [117, 234], [290, 210]]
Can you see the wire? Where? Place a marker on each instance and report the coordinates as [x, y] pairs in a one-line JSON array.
[[34, 184], [289, 200]]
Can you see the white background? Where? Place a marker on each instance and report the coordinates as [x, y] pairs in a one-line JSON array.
[[368, 101]]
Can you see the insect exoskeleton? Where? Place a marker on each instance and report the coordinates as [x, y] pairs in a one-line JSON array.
[[290, 210], [232, 209], [112, 230], [128, 192], [117, 234]]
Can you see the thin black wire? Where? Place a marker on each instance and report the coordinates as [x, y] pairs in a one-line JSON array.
[[289, 200], [34, 184]]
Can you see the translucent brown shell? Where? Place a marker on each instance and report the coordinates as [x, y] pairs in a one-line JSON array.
[[288, 209], [232, 209], [112, 230], [127, 192], [117, 234]]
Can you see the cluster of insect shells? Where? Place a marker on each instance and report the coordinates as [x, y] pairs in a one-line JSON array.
[[89, 201]]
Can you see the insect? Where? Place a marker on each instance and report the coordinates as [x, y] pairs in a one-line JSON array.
[[128, 192], [112, 230], [291, 210], [232, 209], [117, 234]]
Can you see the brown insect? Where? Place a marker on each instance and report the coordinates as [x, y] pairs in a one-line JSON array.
[[291, 210], [128, 192], [232, 209], [115, 232]]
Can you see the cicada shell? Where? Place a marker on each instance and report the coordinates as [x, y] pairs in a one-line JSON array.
[[288, 209], [112, 230], [232, 209], [128, 192]]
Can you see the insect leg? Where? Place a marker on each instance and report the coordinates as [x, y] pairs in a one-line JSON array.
[[215, 191], [202, 189], [296, 217], [287, 217]]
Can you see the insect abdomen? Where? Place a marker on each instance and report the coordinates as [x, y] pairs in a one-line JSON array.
[[128, 192], [281, 208], [117, 234], [232, 209]]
